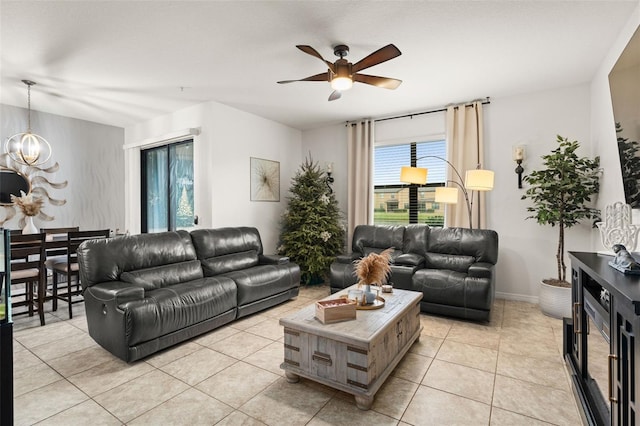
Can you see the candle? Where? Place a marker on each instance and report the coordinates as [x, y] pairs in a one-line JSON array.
[[518, 153], [329, 167]]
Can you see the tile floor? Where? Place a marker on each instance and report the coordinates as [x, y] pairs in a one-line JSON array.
[[507, 372]]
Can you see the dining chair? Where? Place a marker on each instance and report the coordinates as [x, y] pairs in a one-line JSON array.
[[69, 269], [27, 267], [55, 247]]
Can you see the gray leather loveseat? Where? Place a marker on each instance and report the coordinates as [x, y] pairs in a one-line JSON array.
[[452, 267], [146, 292]]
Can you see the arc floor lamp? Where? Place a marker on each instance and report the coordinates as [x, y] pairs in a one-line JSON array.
[[475, 180]]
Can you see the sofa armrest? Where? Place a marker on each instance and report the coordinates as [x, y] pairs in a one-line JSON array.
[[481, 270], [347, 257], [116, 292], [272, 259]]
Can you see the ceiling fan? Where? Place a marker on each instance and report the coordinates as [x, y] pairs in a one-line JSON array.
[[341, 73]]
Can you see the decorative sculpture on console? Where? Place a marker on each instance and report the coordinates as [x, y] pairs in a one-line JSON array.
[[617, 227], [624, 261]]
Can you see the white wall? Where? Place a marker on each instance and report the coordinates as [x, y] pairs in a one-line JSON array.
[[228, 138], [527, 250], [91, 161]]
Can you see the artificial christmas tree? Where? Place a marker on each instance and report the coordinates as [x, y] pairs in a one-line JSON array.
[[312, 233]]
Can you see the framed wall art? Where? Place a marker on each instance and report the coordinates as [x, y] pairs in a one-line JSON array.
[[265, 180]]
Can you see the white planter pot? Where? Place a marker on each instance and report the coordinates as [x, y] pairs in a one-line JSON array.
[[555, 301]]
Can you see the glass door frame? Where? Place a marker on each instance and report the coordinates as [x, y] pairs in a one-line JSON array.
[[143, 184]]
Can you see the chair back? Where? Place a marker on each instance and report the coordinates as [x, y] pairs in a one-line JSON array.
[[56, 240], [58, 233], [27, 252]]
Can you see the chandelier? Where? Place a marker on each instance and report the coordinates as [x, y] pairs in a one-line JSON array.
[[28, 148]]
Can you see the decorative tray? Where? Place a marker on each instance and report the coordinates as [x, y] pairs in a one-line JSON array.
[[377, 304]]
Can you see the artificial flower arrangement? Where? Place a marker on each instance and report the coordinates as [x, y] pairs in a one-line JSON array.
[[28, 204], [374, 268]]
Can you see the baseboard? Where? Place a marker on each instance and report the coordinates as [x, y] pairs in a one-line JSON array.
[[517, 297]]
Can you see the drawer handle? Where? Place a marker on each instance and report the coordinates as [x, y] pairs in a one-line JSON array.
[[576, 314], [322, 358], [612, 357]]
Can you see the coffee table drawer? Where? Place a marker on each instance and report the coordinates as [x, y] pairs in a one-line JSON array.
[[325, 356]]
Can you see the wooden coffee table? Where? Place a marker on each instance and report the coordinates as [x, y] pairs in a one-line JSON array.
[[354, 356]]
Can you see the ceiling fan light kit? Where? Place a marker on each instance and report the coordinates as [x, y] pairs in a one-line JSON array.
[[341, 74], [341, 83]]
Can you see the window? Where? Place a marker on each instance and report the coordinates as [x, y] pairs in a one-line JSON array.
[[167, 187], [418, 204]]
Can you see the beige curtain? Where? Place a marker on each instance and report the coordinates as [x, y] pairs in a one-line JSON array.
[[360, 176], [465, 151]]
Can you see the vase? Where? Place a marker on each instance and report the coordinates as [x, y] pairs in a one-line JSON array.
[[29, 227], [369, 295]]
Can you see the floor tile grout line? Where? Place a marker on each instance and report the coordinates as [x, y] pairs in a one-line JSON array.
[[447, 337]]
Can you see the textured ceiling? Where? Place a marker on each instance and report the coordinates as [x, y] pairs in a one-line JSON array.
[[122, 62]]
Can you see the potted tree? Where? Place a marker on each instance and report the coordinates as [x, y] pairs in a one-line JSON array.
[[560, 194]]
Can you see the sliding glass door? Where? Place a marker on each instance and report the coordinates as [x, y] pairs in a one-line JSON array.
[[167, 187]]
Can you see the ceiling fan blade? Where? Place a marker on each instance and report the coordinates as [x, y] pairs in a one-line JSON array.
[[384, 82], [335, 95], [379, 56], [318, 77], [313, 52]]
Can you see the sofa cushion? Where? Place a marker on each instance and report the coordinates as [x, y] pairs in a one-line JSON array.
[[110, 257], [162, 276], [227, 249], [458, 263], [416, 239], [172, 308], [409, 259], [264, 281], [376, 238], [482, 244], [453, 288]]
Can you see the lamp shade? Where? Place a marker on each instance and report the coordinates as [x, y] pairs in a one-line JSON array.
[[446, 195], [479, 180], [416, 175]]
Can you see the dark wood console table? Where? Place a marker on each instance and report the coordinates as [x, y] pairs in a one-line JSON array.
[[599, 340]]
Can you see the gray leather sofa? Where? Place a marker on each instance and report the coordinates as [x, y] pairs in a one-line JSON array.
[[452, 267], [146, 292]]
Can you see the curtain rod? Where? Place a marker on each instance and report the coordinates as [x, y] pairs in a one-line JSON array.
[[486, 101]]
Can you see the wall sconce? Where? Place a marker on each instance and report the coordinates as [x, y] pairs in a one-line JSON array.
[[518, 157], [329, 179]]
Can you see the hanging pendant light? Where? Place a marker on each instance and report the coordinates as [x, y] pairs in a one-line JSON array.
[[28, 148]]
